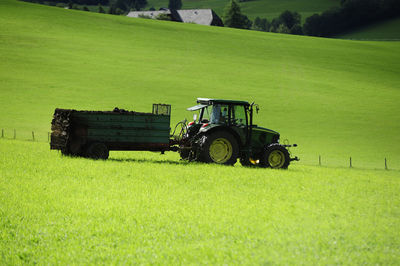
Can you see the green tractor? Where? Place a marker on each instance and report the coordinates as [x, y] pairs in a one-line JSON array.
[[224, 132]]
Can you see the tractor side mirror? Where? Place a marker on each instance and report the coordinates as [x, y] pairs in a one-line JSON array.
[[195, 117]]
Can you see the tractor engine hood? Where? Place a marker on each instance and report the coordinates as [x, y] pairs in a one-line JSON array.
[[266, 130], [261, 136]]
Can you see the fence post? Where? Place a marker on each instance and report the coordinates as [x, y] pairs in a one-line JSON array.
[[33, 136], [319, 160], [350, 163], [15, 134], [386, 164]]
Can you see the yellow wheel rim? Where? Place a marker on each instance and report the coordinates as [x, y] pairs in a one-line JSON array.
[[220, 150], [276, 159]]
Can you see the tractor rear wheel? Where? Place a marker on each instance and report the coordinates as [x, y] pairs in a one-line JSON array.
[[275, 156], [97, 150], [219, 147]]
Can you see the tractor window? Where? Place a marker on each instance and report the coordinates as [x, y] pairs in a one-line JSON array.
[[205, 114], [219, 114], [239, 115]]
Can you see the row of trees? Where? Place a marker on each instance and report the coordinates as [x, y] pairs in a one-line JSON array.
[[287, 22], [72, 2], [123, 6], [351, 14], [126, 5]]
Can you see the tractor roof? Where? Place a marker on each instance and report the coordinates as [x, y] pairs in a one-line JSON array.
[[207, 101]]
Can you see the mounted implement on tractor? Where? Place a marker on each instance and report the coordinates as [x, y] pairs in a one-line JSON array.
[[223, 133]]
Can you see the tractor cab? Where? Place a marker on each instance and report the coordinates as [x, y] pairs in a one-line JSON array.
[[223, 114]]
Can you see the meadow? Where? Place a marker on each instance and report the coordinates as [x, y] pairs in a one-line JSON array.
[[335, 98], [152, 209]]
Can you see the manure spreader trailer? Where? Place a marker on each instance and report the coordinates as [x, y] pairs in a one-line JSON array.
[[222, 131]]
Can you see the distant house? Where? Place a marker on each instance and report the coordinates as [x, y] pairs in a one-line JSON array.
[[197, 16]]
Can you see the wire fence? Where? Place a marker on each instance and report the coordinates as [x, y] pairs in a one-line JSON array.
[[26, 136], [45, 137], [349, 162]]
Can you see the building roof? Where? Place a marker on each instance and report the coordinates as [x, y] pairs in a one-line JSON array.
[[150, 14], [197, 16]]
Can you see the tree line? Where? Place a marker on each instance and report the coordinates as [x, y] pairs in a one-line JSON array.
[[76, 2], [350, 15], [287, 22], [116, 7]]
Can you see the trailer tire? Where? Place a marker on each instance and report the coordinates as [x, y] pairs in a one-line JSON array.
[[97, 150], [219, 147], [275, 156]]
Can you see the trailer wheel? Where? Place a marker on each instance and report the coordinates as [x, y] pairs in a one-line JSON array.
[[275, 156], [97, 150], [219, 147]]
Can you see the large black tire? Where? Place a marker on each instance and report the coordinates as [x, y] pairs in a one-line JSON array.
[[97, 150], [219, 147], [275, 156]]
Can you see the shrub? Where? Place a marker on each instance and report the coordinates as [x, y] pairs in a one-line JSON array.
[[163, 17]]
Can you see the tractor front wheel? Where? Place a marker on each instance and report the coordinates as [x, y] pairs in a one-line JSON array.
[[219, 147], [275, 156]]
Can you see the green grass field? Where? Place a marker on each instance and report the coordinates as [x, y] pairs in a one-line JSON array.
[[141, 208], [335, 98], [257, 8], [386, 30]]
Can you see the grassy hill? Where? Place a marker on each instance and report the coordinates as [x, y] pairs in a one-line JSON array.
[[386, 30], [257, 8], [333, 97]]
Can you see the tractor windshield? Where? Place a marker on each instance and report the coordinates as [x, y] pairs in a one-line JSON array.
[[215, 114]]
